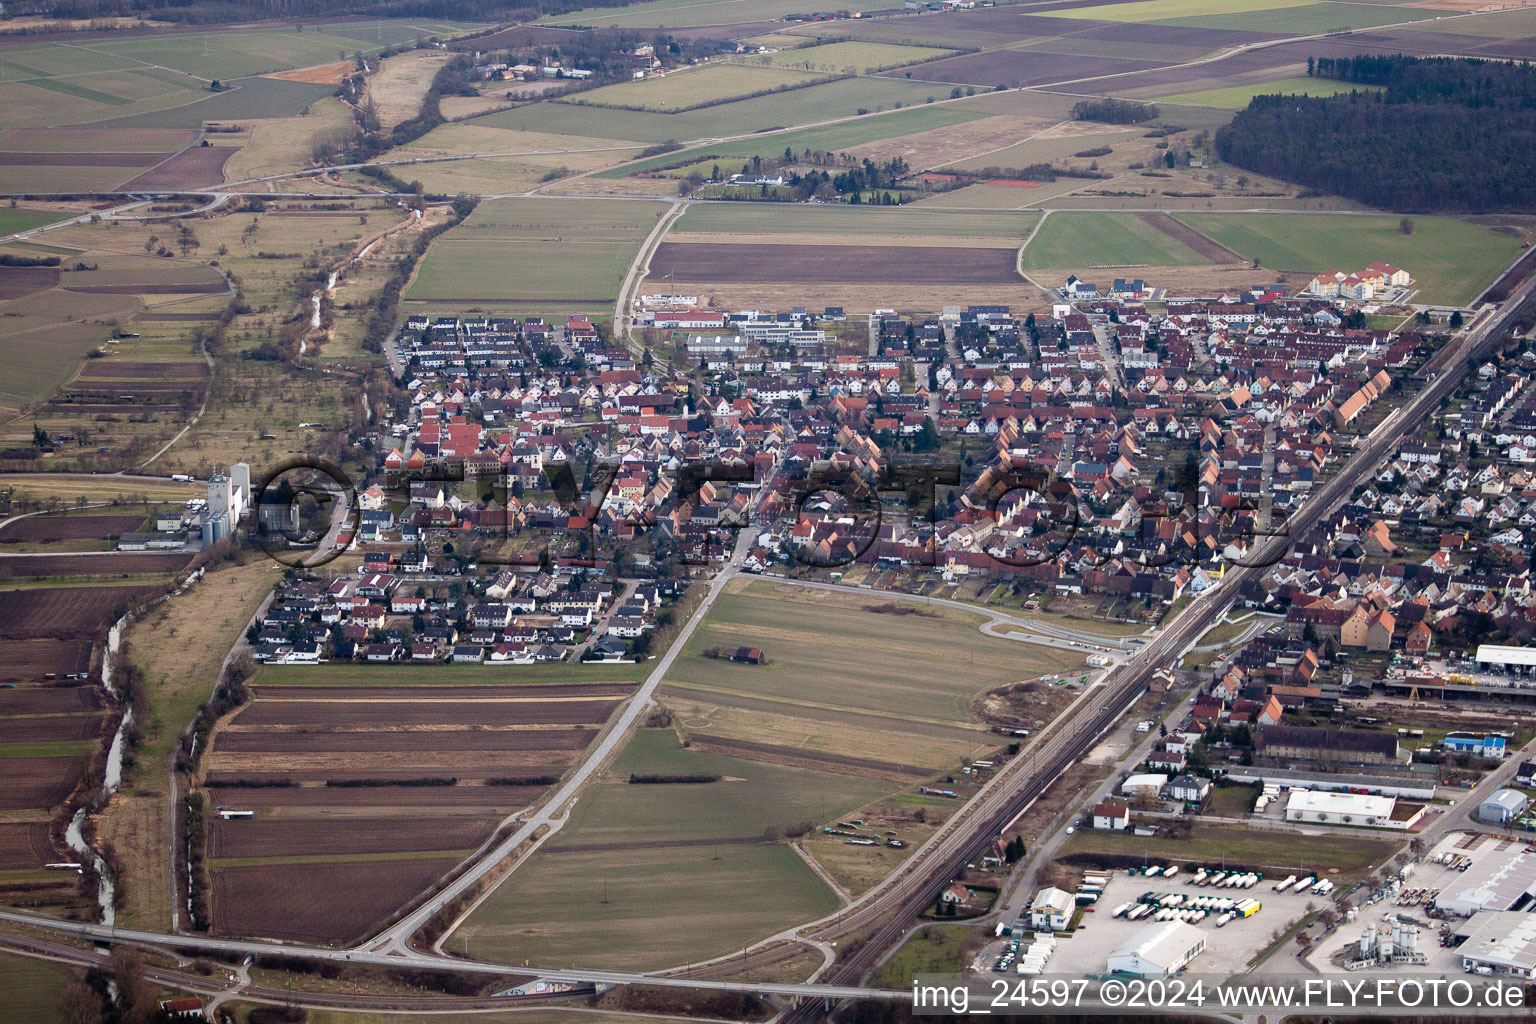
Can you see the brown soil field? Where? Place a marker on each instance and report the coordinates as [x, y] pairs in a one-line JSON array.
[[801, 758], [370, 764], [317, 902], [113, 369], [81, 159], [175, 317], [407, 742], [25, 845], [858, 264], [50, 528], [325, 74], [102, 564], [38, 781], [50, 728], [1181, 232], [65, 612], [859, 299], [50, 700], [113, 390], [379, 799], [18, 281], [151, 288], [88, 409], [34, 659], [331, 713], [96, 140], [198, 167], [347, 836], [1015, 68]]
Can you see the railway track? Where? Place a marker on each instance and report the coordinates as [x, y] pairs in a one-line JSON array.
[[891, 915]]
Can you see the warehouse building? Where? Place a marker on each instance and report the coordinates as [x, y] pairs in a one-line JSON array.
[[1158, 950], [1501, 941], [1500, 879], [1515, 661], [1502, 807], [1351, 809]]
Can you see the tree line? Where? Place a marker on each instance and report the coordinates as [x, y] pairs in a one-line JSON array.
[[1450, 135]]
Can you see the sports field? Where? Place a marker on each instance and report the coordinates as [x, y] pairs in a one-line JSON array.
[[646, 876], [536, 254], [695, 87], [850, 57], [1083, 241], [1451, 261], [1238, 96]]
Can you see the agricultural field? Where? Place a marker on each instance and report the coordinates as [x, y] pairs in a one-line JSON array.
[[675, 873], [402, 83], [838, 99], [686, 13], [1345, 857], [531, 256], [400, 781], [1079, 242], [850, 57], [34, 988], [1237, 97], [762, 254], [236, 53], [695, 87], [52, 84], [1451, 261]]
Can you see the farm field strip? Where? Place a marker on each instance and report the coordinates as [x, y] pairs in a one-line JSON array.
[[1083, 241]]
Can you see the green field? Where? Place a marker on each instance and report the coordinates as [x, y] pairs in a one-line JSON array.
[[595, 896], [1451, 261], [233, 53], [1237, 97], [694, 87], [1328, 16], [830, 138], [1161, 10], [829, 649], [934, 949], [756, 218], [1081, 241], [19, 218], [842, 98], [536, 254], [851, 57], [32, 989]]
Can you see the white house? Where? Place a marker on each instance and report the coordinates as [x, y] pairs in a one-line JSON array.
[[1051, 910]]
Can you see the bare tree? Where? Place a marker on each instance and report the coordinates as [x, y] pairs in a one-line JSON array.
[[79, 1004]]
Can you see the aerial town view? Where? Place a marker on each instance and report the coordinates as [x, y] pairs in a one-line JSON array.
[[604, 512]]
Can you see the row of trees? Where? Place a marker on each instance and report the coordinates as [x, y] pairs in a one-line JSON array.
[[1439, 135]]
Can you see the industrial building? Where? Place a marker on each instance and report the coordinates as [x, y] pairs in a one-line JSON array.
[[1351, 809], [1158, 950], [1503, 942], [1515, 661], [1502, 807], [1500, 879]]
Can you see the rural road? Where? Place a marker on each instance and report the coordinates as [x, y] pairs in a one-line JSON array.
[[554, 813]]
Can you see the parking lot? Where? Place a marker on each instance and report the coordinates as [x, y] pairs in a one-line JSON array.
[[1228, 950]]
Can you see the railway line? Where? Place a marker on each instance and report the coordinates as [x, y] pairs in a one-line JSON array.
[[977, 825]]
